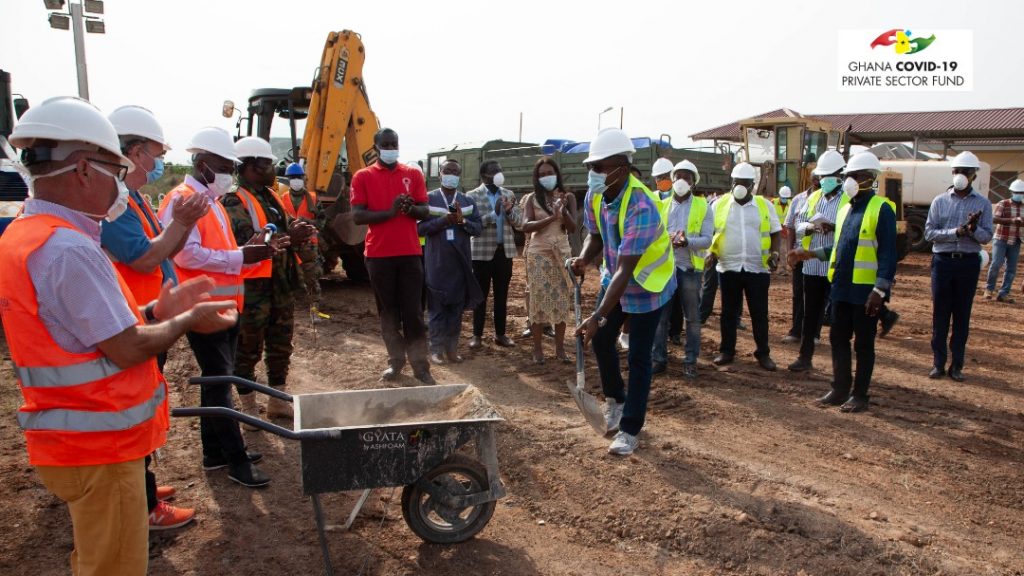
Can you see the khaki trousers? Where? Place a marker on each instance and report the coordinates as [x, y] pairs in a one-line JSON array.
[[108, 516]]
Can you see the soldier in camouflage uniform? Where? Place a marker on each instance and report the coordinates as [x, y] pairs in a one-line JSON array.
[[267, 319], [302, 204]]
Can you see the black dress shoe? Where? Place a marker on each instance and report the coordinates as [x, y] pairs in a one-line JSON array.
[[474, 343], [801, 365], [956, 373], [767, 363], [690, 371], [549, 331], [936, 373], [390, 374], [723, 359], [658, 368], [503, 341], [833, 398], [854, 404], [248, 475], [425, 377]]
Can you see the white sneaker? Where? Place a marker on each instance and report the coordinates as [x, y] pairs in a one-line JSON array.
[[624, 444], [624, 341], [612, 414]]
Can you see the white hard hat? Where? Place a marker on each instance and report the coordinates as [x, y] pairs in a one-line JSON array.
[[744, 171], [662, 166], [687, 165], [254, 147], [829, 163], [67, 119], [785, 192], [610, 142], [138, 121], [215, 141], [863, 161], [966, 159], [1017, 185]]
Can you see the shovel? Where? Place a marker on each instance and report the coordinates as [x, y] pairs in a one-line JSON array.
[[587, 404]]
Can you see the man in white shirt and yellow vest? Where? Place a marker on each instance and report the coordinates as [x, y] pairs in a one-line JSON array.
[[746, 243]]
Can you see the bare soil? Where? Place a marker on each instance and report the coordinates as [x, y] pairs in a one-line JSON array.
[[738, 473]]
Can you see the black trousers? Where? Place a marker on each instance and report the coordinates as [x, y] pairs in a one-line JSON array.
[[734, 286], [215, 354], [675, 319], [954, 281], [851, 321], [798, 301], [398, 286], [817, 290], [499, 271]]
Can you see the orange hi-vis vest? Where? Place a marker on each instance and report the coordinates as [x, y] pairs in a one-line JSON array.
[[145, 286], [215, 237], [305, 210], [79, 409], [264, 268]]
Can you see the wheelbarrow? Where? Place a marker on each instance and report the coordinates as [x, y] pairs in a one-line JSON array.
[[409, 437]]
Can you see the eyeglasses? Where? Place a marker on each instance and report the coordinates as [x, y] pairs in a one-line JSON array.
[[122, 170]]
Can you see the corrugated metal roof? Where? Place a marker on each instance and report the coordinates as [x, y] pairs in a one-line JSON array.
[[903, 126]]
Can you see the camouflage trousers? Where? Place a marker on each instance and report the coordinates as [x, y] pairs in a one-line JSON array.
[[267, 323], [312, 270]]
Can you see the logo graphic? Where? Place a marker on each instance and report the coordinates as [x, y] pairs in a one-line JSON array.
[[900, 38], [416, 437]]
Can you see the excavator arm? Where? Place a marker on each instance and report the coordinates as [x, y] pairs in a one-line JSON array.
[[339, 113]]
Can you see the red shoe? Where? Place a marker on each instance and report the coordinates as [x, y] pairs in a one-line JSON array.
[[165, 492], [167, 517]]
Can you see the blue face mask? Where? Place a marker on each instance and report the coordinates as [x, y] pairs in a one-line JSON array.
[[450, 181], [597, 182], [829, 184], [157, 171], [1018, 198]]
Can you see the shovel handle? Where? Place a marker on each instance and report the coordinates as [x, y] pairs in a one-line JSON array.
[[577, 303]]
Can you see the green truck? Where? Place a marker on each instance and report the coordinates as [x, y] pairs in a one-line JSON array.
[[518, 158]]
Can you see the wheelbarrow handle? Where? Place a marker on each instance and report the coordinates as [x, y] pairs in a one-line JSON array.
[[222, 412], [243, 383]]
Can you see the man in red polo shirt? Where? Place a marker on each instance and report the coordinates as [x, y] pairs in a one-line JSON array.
[[389, 198]]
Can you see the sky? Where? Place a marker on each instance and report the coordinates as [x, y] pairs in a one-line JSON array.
[[443, 73]]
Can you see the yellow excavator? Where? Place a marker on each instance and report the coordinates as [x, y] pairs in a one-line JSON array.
[[336, 142]]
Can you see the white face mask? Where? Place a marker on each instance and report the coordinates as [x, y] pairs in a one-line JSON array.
[[681, 188], [389, 156], [739, 192], [548, 182], [120, 203], [296, 184], [499, 179], [851, 187], [960, 182]]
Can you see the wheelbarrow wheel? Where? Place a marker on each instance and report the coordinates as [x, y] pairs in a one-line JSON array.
[[437, 523]]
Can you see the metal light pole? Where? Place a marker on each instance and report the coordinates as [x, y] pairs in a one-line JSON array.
[[78, 30], [79, 25], [608, 109]]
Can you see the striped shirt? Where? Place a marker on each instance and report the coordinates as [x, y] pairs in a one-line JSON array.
[[642, 227], [1012, 234], [80, 300], [829, 209], [948, 212], [797, 205]]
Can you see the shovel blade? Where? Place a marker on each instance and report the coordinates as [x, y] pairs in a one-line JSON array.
[[590, 407]]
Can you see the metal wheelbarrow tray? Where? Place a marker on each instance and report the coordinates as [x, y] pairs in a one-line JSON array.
[[410, 437]]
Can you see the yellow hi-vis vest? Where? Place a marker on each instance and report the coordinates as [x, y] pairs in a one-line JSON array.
[[657, 263], [812, 203], [865, 259], [722, 207], [698, 210]]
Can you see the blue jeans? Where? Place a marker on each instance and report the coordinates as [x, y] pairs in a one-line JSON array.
[[641, 340], [1001, 251], [688, 292], [954, 281]]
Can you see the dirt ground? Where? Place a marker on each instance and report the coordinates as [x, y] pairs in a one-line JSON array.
[[738, 473]]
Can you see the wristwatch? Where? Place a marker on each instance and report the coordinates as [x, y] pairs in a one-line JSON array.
[[601, 320], [878, 291]]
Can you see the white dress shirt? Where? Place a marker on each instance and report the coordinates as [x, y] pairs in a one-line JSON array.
[[741, 247]]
